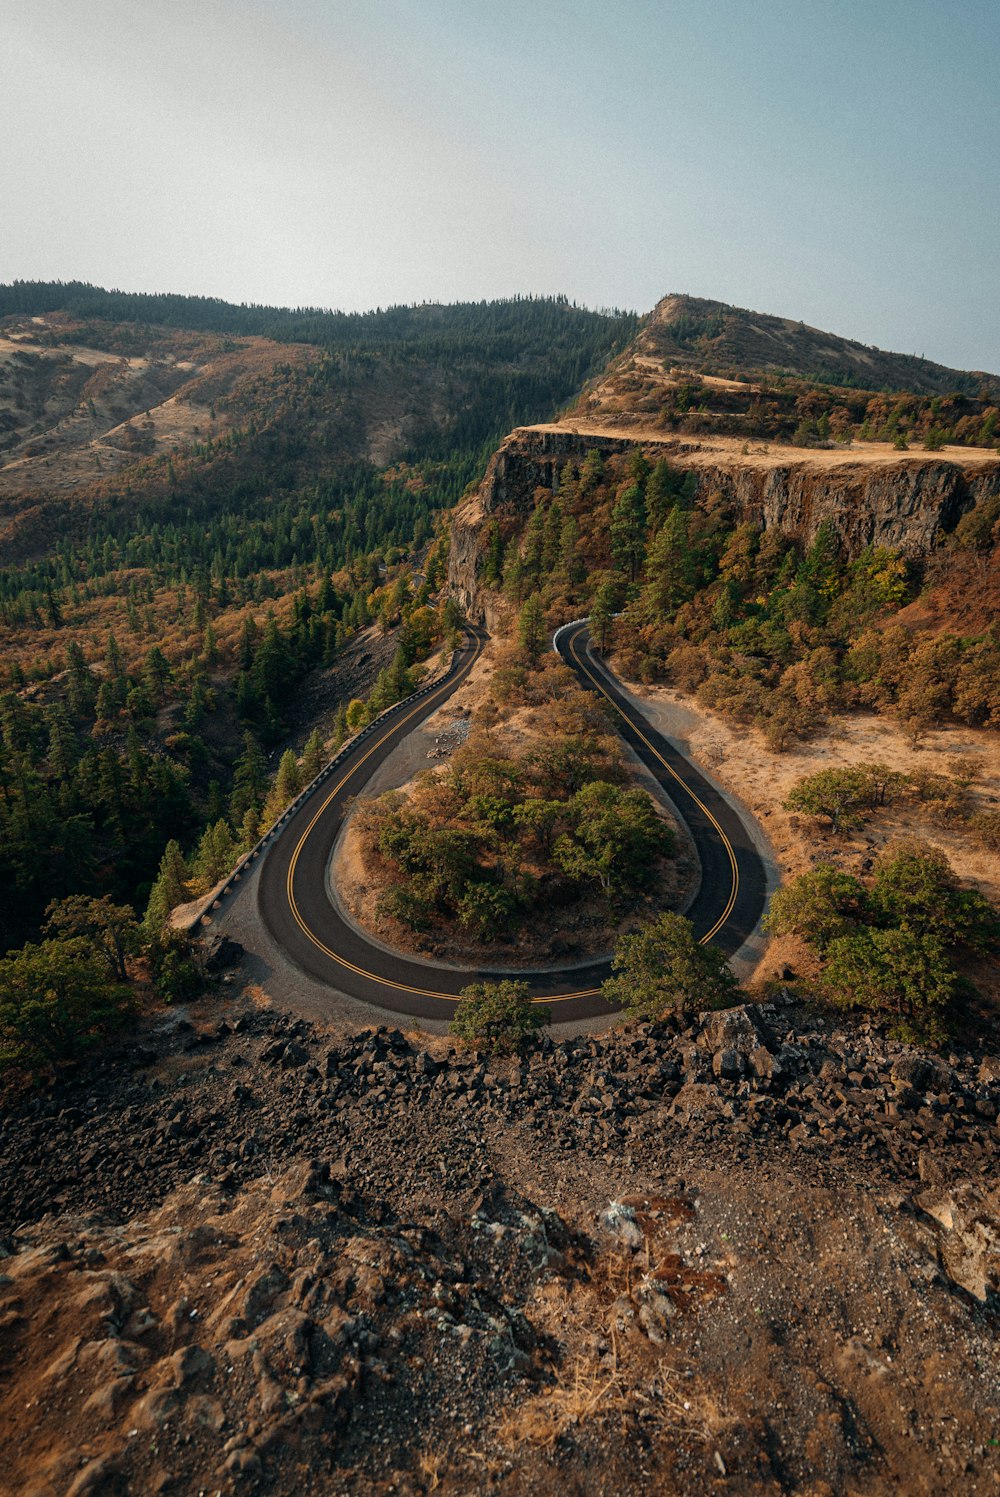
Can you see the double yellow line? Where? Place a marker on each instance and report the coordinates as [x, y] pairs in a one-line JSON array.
[[403, 987], [734, 866]]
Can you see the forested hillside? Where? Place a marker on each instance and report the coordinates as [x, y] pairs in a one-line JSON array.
[[194, 518], [771, 629]]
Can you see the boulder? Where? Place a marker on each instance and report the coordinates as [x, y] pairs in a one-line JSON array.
[[738, 1029], [220, 952]]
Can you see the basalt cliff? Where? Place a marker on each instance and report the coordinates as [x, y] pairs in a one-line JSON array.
[[909, 502]]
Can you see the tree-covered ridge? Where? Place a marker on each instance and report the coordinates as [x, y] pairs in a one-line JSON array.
[[159, 624], [810, 412], [505, 329], [165, 729], [767, 630]]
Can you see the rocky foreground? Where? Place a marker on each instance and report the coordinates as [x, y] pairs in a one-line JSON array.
[[756, 1254]]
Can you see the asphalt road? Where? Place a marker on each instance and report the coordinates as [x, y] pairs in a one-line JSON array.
[[296, 906]]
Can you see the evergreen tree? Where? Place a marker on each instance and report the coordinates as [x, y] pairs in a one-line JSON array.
[[313, 757], [170, 889], [531, 628], [249, 780], [628, 530]]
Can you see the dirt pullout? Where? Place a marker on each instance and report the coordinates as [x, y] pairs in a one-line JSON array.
[[720, 451], [754, 1254]]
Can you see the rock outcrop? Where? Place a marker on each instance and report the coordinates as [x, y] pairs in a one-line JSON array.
[[909, 504], [752, 1252]]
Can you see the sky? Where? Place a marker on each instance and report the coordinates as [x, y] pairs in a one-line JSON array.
[[835, 162]]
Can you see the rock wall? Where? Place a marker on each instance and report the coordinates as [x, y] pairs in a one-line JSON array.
[[909, 505]]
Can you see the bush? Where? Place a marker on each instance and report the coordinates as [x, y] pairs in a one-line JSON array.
[[175, 974], [915, 889], [498, 1017], [57, 1001], [889, 947], [664, 969], [898, 972], [818, 906]]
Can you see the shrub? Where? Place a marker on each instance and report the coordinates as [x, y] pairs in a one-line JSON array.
[[897, 972], [56, 1002], [818, 906], [175, 973], [914, 889], [663, 968], [485, 909], [498, 1017]]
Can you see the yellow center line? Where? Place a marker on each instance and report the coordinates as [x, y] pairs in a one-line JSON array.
[[671, 771], [403, 987]]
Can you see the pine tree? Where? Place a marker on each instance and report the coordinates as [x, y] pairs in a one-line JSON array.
[[313, 757], [216, 854], [628, 530], [169, 890], [531, 630], [249, 779]]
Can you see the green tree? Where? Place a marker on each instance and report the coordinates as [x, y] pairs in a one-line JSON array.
[[531, 630], [616, 837], [915, 889], [839, 794], [356, 714], [663, 969], [313, 756], [602, 614], [485, 909], [56, 1002], [156, 673], [498, 1017], [110, 928], [249, 780], [818, 906], [215, 856], [628, 530], [896, 972], [670, 572], [288, 780], [170, 889]]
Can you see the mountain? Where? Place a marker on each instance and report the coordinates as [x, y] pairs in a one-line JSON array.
[[710, 337], [173, 401], [749, 524]]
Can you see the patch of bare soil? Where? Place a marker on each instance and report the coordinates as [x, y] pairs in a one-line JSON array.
[[755, 1254]]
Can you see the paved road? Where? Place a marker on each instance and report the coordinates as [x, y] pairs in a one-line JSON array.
[[296, 907]]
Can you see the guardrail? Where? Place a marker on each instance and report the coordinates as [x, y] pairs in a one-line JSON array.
[[562, 630], [213, 900]]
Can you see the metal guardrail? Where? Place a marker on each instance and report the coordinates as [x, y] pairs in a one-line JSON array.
[[213, 901]]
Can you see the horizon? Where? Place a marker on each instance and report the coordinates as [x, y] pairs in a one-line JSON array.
[[601, 311], [350, 156]]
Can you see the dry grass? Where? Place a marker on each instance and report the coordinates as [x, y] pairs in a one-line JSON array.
[[708, 450]]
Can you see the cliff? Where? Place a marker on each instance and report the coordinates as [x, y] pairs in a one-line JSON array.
[[870, 495]]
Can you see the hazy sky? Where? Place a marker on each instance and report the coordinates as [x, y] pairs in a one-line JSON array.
[[834, 161]]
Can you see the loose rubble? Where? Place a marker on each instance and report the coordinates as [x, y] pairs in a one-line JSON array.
[[755, 1253]]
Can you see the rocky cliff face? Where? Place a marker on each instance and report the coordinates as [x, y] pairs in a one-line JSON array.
[[908, 505]]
